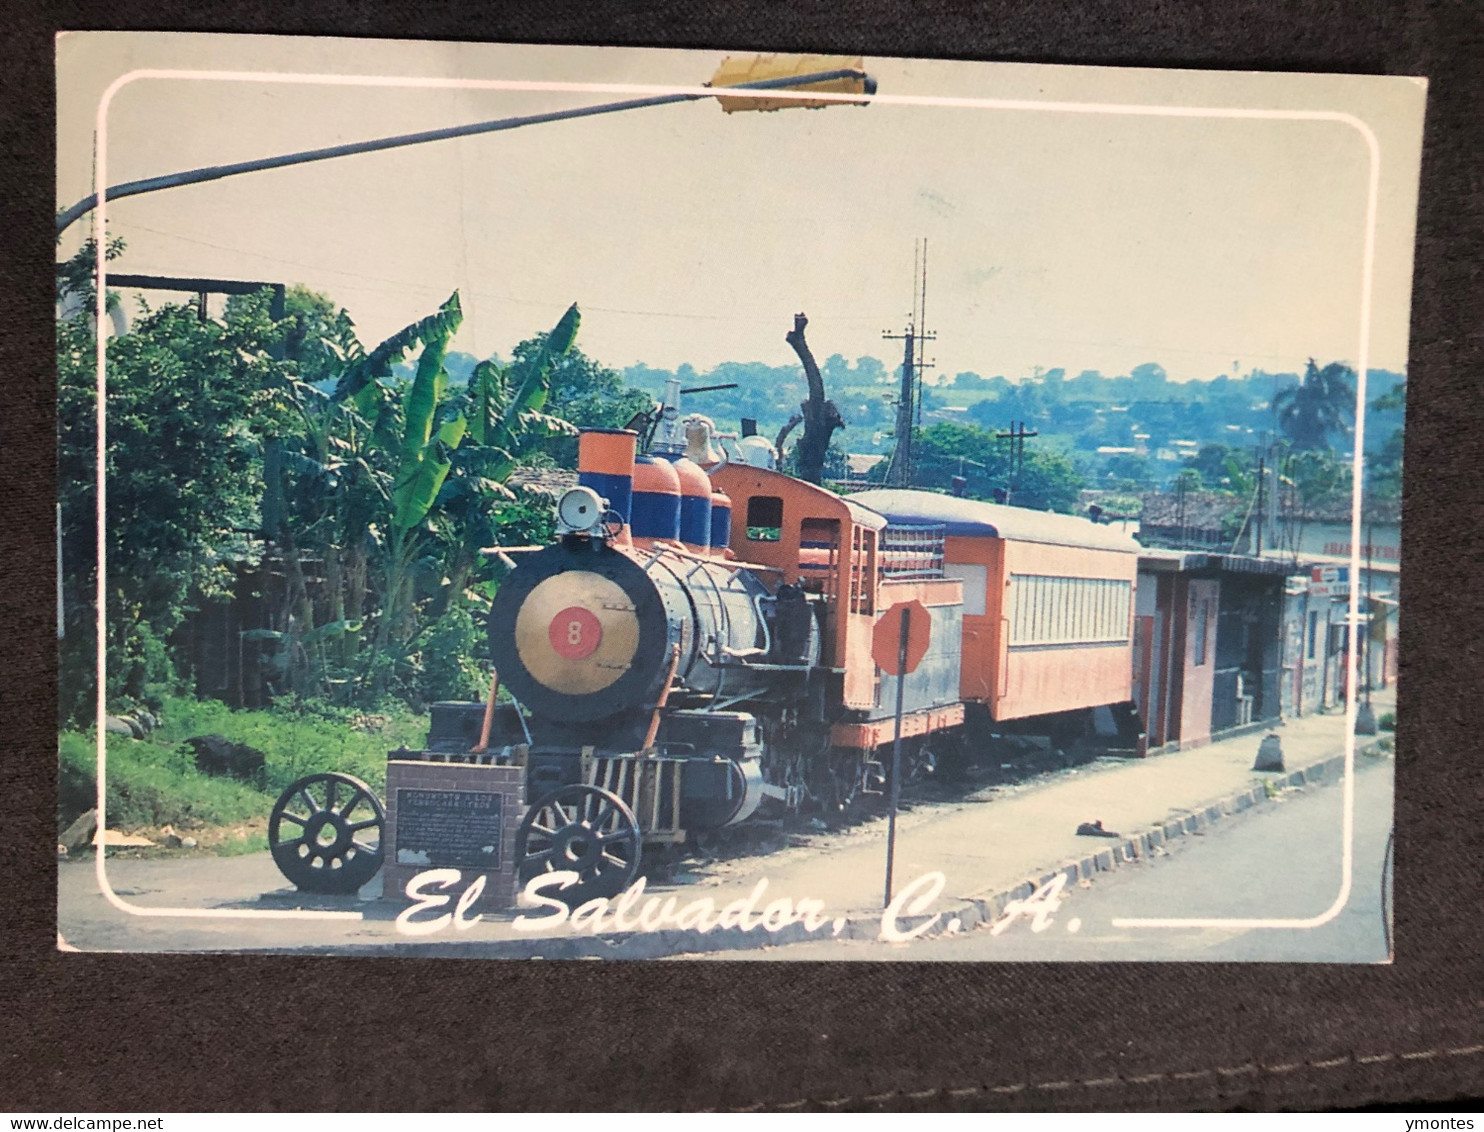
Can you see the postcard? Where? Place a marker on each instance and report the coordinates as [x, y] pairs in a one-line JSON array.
[[552, 502]]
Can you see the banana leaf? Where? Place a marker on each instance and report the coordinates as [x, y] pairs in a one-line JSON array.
[[333, 629], [418, 482], [378, 363], [531, 380], [487, 394], [423, 398]]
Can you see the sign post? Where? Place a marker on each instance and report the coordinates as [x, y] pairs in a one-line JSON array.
[[898, 654]]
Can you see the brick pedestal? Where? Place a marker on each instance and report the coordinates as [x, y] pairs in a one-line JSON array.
[[453, 815]]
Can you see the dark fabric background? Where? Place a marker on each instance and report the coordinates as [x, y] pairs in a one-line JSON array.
[[122, 1032]]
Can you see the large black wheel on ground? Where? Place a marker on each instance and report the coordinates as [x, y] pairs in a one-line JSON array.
[[584, 830], [325, 833]]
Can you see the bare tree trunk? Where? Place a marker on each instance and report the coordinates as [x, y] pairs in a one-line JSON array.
[[821, 417], [792, 423], [298, 614]]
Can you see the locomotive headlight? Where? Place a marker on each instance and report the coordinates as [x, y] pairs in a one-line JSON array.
[[580, 510]]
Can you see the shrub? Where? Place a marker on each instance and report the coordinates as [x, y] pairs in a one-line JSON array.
[[154, 781], [149, 785], [1387, 722], [451, 668], [299, 741]]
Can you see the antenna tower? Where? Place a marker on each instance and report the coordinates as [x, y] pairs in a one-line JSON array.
[[901, 471]]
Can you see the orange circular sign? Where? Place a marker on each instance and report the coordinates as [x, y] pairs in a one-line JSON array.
[[886, 637], [575, 633]]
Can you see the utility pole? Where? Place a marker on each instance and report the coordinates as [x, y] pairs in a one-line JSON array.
[[1016, 436], [1262, 475], [1370, 534], [899, 473], [1180, 485], [902, 469]]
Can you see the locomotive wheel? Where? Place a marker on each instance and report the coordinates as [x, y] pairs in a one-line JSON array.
[[839, 782], [585, 830], [325, 833]]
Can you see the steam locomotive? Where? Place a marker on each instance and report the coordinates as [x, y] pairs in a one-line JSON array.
[[696, 646]]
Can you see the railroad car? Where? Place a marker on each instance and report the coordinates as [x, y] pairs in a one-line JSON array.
[[1048, 609]]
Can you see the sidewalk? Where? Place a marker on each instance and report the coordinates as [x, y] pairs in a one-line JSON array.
[[999, 846], [991, 847]]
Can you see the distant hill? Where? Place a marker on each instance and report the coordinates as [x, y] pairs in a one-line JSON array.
[[1142, 413], [1123, 429]]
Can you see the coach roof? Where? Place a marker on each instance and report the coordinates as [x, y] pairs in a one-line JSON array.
[[992, 520]]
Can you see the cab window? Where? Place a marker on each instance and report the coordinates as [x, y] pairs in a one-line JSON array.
[[765, 518]]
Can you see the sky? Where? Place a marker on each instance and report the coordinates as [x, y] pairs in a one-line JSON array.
[[1081, 240]]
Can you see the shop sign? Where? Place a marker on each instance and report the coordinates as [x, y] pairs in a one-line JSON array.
[[1329, 581]]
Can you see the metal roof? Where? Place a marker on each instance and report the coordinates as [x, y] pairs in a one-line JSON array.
[[785, 485], [864, 516], [992, 520], [1158, 559]]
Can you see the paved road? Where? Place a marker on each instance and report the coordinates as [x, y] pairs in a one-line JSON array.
[[1279, 860]]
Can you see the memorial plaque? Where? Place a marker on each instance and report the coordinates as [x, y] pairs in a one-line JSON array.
[[453, 816], [458, 828]]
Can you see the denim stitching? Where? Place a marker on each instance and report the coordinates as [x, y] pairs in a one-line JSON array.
[[1105, 1082]]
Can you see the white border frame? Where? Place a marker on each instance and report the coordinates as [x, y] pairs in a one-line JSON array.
[[635, 90]]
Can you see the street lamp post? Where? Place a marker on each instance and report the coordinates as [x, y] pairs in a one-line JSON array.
[[1365, 716], [839, 80]]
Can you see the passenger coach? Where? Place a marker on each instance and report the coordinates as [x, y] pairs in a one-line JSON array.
[[1048, 606]]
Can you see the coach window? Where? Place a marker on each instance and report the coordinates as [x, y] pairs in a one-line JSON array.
[[976, 582], [765, 518]]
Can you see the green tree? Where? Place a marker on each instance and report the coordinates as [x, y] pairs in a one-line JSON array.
[[1321, 405], [1320, 481], [1384, 472], [1394, 398], [1188, 479], [1220, 466], [1128, 471], [316, 335], [1045, 481], [186, 398]]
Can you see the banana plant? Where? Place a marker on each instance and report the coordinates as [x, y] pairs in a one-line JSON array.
[[363, 370], [430, 432], [298, 648], [484, 432], [410, 469], [506, 420], [507, 413]]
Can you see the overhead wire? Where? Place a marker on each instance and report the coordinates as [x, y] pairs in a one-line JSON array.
[[731, 315]]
